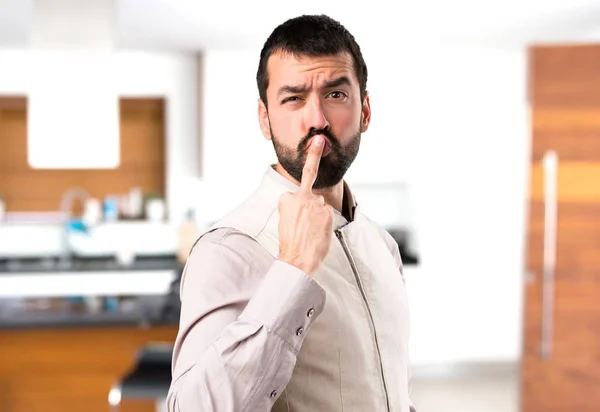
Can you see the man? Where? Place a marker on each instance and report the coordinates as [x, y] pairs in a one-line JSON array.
[[295, 300]]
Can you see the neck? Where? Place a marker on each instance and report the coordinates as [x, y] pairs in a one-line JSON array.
[[334, 196]]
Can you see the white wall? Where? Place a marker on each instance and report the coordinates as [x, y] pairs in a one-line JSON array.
[[449, 121], [452, 123], [467, 122]]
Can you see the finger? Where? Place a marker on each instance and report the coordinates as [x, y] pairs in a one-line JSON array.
[[311, 167], [321, 200]]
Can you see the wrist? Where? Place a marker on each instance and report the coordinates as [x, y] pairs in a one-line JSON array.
[[297, 262]]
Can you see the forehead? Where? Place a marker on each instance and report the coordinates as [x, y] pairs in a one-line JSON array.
[[286, 68]]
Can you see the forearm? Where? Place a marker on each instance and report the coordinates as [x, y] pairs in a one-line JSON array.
[[235, 375], [251, 361]]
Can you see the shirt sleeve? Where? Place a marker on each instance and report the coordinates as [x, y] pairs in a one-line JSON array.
[[240, 331]]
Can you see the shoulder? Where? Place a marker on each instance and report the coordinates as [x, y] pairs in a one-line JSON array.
[[227, 244], [251, 216], [225, 256]]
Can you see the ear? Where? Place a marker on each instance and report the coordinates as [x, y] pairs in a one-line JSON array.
[[263, 119], [365, 118]]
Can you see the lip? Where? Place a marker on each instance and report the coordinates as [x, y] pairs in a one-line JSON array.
[[326, 149]]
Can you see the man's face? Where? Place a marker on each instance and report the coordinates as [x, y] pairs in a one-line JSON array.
[[308, 96]]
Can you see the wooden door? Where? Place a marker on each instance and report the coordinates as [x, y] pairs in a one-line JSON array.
[[561, 363]]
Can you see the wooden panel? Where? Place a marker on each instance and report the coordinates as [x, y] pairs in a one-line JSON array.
[[70, 369], [577, 182], [578, 240], [579, 146], [565, 90], [573, 132], [12, 102], [142, 146], [565, 380], [570, 389], [565, 119], [565, 76]]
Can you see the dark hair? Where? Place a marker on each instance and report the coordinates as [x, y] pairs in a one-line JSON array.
[[314, 36]]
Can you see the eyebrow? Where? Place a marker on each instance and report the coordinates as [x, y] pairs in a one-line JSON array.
[[340, 81]]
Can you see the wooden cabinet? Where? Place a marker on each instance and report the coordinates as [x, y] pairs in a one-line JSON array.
[[70, 369]]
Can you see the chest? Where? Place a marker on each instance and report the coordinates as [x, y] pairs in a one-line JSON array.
[[357, 347]]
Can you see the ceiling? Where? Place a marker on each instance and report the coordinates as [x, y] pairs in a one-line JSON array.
[[192, 25]]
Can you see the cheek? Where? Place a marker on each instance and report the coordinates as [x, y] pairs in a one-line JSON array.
[[287, 127], [344, 121]]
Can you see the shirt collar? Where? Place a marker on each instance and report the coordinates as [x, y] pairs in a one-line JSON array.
[[273, 179]]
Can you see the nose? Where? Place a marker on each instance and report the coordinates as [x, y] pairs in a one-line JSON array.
[[315, 116]]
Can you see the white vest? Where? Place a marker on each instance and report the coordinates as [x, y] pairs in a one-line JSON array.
[[355, 355]]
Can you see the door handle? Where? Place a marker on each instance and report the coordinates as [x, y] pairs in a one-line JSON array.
[[550, 167]]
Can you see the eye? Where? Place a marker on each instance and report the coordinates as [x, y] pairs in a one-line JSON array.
[[337, 95], [290, 99]]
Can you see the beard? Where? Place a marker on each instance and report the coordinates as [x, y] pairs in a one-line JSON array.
[[332, 168]]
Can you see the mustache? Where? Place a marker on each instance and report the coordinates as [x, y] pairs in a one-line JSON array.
[[313, 132]]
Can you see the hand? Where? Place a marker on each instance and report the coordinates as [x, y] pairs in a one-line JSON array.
[[305, 221]]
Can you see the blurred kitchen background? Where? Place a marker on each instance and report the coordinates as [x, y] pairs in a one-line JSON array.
[[127, 127]]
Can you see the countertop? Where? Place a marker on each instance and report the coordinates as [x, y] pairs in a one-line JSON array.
[[45, 293], [82, 320], [102, 310], [82, 264]]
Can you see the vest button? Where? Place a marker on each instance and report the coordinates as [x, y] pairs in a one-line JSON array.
[[273, 394], [299, 331], [310, 313]]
